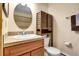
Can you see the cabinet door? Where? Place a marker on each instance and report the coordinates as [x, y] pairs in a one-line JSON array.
[[50, 23], [6, 51], [38, 52], [43, 20]]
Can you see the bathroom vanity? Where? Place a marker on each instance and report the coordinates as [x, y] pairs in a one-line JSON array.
[[24, 47], [22, 43]]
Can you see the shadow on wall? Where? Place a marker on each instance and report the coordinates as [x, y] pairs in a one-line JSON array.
[[55, 32], [77, 32]]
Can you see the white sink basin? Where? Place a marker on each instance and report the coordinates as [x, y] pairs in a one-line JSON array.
[[18, 38], [28, 36]]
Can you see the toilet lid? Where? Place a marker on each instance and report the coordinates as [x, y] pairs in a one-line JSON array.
[[52, 50]]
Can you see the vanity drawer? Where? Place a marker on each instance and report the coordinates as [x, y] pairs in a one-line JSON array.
[[25, 47]]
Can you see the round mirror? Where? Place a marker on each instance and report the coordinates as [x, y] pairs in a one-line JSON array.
[[22, 16]]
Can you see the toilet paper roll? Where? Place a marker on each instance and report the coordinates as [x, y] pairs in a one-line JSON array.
[[67, 43]]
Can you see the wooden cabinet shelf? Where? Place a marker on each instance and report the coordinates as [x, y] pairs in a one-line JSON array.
[[45, 24], [45, 30], [38, 29]]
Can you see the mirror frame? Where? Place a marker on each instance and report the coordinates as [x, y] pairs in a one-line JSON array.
[[31, 16]]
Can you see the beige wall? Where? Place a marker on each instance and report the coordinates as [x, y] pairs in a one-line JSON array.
[[34, 7], [62, 27]]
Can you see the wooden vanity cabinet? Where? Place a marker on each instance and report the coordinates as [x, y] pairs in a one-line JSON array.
[[33, 48]]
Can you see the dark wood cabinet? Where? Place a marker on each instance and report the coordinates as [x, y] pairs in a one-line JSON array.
[[75, 22], [44, 25]]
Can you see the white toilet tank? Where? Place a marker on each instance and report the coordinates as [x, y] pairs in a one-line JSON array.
[[46, 40]]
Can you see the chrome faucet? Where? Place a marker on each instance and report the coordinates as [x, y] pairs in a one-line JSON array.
[[23, 33]]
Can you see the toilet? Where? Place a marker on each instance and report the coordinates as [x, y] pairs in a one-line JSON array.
[[51, 51]]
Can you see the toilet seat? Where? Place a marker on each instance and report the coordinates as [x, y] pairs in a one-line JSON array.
[[52, 51]]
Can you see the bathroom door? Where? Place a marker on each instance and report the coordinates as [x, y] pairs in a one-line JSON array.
[[1, 48]]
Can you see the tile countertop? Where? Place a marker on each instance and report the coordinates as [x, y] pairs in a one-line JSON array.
[[10, 41]]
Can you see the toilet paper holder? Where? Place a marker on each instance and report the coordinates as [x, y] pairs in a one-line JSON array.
[[68, 44]]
